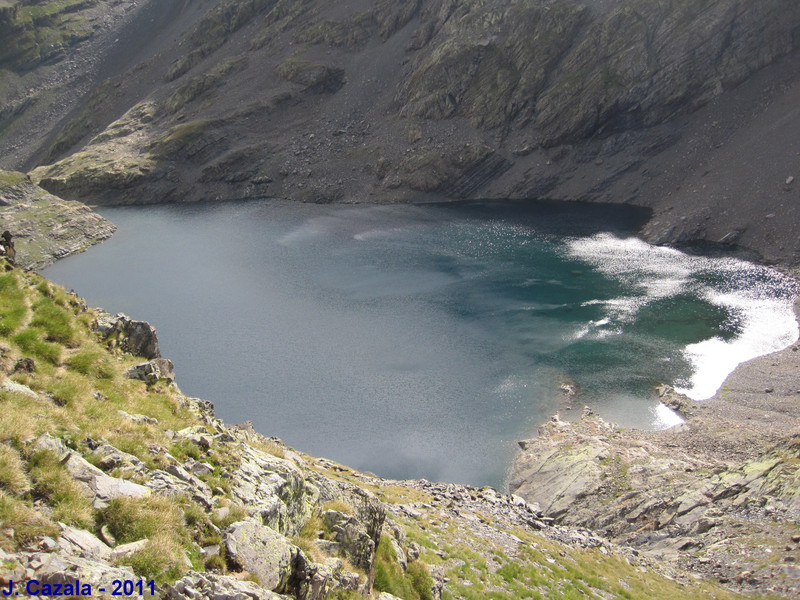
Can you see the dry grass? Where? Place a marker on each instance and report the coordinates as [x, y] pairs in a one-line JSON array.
[[68, 499], [162, 559], [340, 506], [25, 523], [13, 475]]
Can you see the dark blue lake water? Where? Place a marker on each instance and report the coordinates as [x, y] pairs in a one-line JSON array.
[[423, 341]]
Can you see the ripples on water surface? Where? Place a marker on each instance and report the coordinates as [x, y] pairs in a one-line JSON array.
[[423, 341]]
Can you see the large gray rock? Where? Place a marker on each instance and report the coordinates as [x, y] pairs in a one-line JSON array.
[[355, 541], [274, 489], [278, 565], [217, 587], [177, 480], [261, 551], [135, 337], [61, 569], [113, 458]]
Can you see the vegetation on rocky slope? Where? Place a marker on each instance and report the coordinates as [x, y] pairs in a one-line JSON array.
[[108, 471], [35, 32]]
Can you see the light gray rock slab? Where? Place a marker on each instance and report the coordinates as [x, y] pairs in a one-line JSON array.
[[98, 486], [141, 419], [127, 549], [53, 568], [17, 388], [102, 487], [82, 543], [217, 587]]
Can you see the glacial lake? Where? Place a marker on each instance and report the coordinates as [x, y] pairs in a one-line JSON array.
[[424, 341]]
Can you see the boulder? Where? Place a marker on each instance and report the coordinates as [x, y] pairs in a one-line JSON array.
[[135, 337], [126, 550], [273, 488], [53, 569], [217, 587], [352, 535], [112, 458], [18, 388], [278, 565], [82, 543], [153, 370], [177, 480], [261, 551]]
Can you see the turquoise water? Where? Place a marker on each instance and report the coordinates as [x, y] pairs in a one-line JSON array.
[[424, 341]]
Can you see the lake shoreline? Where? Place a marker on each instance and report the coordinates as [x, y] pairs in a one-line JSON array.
[[713, 496], [754, 411]]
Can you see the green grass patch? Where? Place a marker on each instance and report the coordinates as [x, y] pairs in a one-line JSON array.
[[134, 519], [175, 139], [26, 523], [13, 475], [69, 390], [339, 506], [411, 584], [13, 308], [32, 341], [162, 560], [236, 513], [93, 362], [184, 449], [54, 320]]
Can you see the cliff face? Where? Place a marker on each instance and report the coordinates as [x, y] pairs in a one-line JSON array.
[[642, 101]]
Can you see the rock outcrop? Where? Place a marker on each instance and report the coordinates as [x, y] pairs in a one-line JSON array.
[[134, 337], [45, 227], [98, 486], [656, 496]]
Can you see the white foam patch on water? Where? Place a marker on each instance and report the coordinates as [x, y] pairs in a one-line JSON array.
[[762, 300], [595, 329], [660, 271], [665, 417], [768, 325]]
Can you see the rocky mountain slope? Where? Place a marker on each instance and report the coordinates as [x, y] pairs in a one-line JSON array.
[[108, 472], [687, 107]]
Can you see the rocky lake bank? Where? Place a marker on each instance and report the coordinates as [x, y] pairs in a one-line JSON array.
[[716, 497]]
